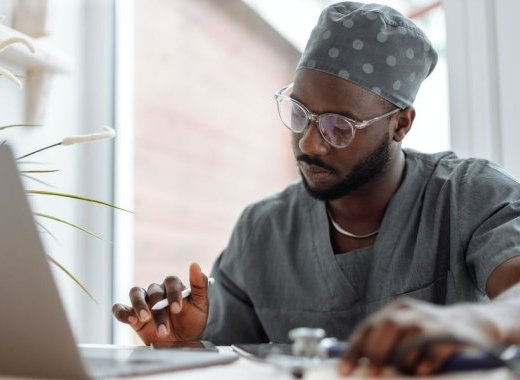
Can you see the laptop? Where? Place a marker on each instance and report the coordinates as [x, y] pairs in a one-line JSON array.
[[35, 337]]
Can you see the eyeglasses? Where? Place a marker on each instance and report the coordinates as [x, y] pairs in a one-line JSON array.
[[337, 130]]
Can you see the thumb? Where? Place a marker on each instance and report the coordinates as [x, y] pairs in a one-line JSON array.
[[199, 286]]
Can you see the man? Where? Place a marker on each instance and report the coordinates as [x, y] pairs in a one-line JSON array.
[[368, 224]]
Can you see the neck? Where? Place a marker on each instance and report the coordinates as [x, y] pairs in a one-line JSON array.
[[366, 206]]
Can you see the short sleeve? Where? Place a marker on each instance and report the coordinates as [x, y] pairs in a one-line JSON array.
[[489, 215]]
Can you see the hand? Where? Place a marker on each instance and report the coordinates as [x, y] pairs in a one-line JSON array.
[[183, 320], [417, 337]]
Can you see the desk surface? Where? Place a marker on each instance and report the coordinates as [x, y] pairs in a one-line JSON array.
[[245, 368], [248, 369]]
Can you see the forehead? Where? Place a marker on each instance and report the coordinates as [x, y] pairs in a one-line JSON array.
[[323, 92]]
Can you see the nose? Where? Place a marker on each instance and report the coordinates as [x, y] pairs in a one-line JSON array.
[[311, 142]]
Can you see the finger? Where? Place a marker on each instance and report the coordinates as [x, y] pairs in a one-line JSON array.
[[155, 293], [358, 340], [126, 315], [379, 344], [410, 351], [350, 359], [373, 370], [199, 287], [161, 318], [435, 357], [138, 299], [173, 288], [123, 313]]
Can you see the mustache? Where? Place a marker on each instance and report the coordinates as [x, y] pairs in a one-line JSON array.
[[314, 161]]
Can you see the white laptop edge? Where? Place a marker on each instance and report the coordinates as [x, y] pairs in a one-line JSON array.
[[37, 340]]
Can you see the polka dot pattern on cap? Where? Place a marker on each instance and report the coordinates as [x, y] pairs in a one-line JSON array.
[[348, 24], [373, 46], [391, 61], [344, 74], [357, 44], [333, 53], [368, 68]]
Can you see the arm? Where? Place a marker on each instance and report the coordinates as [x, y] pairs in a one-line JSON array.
[[504, 277], [481, 325], [503, 287]]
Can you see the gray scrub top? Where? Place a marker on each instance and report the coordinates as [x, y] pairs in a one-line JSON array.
[[450, 223]]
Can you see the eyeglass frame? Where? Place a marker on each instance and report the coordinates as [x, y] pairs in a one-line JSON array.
[[312, 117]]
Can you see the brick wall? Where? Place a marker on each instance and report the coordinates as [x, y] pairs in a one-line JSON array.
[[208, 140]]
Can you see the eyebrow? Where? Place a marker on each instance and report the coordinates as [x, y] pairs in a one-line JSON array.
[[346, 114]]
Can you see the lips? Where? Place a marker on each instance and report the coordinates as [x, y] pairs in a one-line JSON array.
[[314, 172]]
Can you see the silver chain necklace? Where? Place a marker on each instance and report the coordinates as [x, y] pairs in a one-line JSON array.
[[338, 228]]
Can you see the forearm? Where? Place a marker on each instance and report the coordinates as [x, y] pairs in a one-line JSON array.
[[503, 287], [488, 324], [504, 311]]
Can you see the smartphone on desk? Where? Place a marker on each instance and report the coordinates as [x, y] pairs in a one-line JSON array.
[[192, 345], [262, 350]]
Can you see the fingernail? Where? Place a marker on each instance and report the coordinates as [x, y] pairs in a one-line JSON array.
[[175, 308], [371, 371], [163, 331], [143, 315], [345, 368], [423, 369], [132, 320]]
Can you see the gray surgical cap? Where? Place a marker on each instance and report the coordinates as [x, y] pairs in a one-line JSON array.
[[373, 46]]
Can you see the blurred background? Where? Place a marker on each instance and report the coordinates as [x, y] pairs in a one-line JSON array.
[[188, 86]]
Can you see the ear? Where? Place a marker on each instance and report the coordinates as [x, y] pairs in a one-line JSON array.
[[404, 123]]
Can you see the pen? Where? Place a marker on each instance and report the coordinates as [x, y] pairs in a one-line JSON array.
[[332, 348], [185, 293]]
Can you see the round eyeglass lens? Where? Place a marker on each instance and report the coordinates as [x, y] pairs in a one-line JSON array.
[[335, 130], [292, 115]]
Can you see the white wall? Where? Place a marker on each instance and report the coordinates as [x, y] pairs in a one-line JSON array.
[[483, 62]]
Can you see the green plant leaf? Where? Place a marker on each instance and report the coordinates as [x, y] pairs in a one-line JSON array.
[[46, 230], [69, 224], [29, 163], [73, 196], [2, 127], [39, 171], [25, 173], [35, 179], [38, 150], [78, 282]]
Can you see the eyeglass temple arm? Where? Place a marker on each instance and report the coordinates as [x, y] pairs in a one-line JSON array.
[[285, 89], [366, 123]]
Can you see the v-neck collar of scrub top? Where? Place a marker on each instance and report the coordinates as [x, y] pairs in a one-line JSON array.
[[383, 248]]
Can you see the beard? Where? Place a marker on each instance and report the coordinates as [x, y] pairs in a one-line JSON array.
[[372, 166]]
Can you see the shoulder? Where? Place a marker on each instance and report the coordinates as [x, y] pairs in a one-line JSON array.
[[277, 207], [447, 167], [263, 229]]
